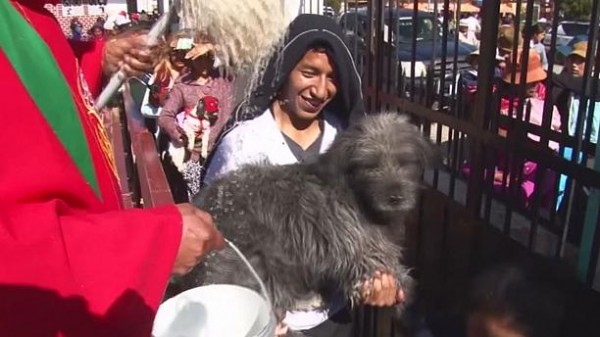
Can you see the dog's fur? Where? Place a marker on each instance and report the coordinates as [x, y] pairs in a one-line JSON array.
[[325, 227]]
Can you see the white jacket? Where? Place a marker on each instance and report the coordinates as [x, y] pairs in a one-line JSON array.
[[260, 140]]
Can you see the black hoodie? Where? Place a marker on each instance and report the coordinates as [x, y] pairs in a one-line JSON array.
[[566, 85], [304, 32]]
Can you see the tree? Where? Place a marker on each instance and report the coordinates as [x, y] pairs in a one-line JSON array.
[[335, 4], [577, 9]]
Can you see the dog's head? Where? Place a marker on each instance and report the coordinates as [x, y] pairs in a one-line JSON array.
[[382, 158]]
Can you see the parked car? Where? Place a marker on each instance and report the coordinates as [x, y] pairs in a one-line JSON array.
[[427, 42], [565, 31], [328, 11]]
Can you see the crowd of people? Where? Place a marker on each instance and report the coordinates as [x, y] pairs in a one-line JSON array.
[[109, 25], [528, 102], [76, 263]]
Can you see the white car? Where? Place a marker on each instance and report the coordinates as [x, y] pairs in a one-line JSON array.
[[328, 11]]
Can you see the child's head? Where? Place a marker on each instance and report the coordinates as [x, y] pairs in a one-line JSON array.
[[518, 300], [537, 31], [97, 32]]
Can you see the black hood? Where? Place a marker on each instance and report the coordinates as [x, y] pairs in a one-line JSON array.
[[304, 32], [566, 81]]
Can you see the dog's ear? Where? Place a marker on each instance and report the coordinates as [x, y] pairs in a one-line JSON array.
[[400, 132]]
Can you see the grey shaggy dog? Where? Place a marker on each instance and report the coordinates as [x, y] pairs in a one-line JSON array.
[[322, 228]]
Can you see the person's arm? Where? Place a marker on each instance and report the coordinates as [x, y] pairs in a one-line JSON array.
[[100, 257], [167, 119], [63, 230]]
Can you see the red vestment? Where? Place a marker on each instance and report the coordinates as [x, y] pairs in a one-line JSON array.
[[72, 262]]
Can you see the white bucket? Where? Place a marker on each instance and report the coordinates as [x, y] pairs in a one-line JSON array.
[[217, 310]]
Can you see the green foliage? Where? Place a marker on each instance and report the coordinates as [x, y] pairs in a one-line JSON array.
[[335, 4], [577, 9]]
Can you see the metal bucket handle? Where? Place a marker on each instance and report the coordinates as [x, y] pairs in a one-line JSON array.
[[263, 288]]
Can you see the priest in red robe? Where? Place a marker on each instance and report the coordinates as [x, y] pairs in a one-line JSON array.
[[72, 261]]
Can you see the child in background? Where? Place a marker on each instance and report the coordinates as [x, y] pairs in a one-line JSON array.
[[538, 32], [97, 32]]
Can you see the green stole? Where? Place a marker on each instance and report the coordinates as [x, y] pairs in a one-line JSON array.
[[35, 65]]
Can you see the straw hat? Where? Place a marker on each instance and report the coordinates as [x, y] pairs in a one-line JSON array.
[[535, 71], [463, 23], [200, 49], [579, 49], [506, 39]]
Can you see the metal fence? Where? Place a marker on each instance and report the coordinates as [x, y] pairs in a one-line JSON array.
[[544, 200], [508, 166], [413, 62]]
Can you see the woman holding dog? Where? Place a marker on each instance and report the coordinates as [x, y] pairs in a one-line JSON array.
[[310, 91], [202, 80]]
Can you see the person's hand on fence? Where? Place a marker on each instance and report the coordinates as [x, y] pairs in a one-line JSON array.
[[381, 290], [199, 237], [130, 52]]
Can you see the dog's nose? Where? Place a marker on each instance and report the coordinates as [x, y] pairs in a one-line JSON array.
[[395, 199]]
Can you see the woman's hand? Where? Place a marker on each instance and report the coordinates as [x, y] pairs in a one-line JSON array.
[[177, 135], [381, 291]]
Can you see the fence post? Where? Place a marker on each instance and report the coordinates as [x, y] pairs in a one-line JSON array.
[[483, 102]]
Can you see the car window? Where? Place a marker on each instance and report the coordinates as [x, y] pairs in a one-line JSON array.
[[424, 28], [573, 29]]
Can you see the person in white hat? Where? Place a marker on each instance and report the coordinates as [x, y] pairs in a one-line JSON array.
[[465, 35]]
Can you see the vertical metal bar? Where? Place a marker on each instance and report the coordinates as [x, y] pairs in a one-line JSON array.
[[390, 21], [568, 193], [413, 52], [379, 50], [369, 54], [584, 263], [489, 33]]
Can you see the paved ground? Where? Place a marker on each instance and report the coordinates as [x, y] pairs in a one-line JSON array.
[[546, 242]]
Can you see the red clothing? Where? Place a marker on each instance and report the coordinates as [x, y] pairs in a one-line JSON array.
[[505, 101], [73, 263], [88, 54]]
